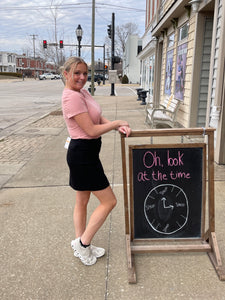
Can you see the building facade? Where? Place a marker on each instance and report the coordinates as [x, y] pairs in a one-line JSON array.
[[7, 62], [30, 67], [131, 64], [184, 55]]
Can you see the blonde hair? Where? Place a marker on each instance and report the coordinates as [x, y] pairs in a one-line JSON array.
[[71, 62]]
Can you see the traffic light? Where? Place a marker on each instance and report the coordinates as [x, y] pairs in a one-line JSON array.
[[44, 44], [106, 67], [109, 31], [61, 44], [116, 59]]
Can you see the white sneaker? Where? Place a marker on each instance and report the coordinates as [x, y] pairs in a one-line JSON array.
[[96, 251], [84, 254]]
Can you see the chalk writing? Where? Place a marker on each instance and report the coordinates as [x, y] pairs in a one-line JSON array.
[[152, 160]]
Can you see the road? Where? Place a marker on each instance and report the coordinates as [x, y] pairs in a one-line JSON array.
[[22, 102]]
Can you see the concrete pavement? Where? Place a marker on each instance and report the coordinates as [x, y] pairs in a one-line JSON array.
[[36, 206]]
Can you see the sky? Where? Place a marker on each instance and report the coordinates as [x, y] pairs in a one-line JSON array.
[[23, 21]]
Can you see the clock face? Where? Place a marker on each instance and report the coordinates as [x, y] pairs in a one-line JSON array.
[[166, 208]]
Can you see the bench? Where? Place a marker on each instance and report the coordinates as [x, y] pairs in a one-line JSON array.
[[164, 114]]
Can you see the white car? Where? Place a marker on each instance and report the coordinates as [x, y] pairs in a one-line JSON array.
[[49, 76]]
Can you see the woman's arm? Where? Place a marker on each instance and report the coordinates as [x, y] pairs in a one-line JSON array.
[[123, 129], [93, 130], [104, 120]]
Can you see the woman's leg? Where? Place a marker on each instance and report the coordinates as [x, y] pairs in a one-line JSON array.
[[80, 212], [107, 203]]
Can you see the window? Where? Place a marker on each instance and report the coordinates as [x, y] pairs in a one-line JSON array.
[[151, 74], [155, 7], [169, 64], [181, 61], [169, 72], [170, 42], [151, 10], [183, 32], [10, 58]]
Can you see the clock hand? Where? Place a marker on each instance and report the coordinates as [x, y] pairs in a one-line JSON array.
[[164, 205]]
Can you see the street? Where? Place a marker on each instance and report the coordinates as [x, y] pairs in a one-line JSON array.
[[22, 102]]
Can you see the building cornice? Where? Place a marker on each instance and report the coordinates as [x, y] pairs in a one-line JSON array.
[[175, 11], [147, 49]]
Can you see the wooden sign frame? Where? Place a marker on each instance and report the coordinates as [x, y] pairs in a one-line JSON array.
[[207, 242]]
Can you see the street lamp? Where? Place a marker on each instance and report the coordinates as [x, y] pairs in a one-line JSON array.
[[79, 33]]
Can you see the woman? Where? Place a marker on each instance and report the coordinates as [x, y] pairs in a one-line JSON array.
[[85, 125]]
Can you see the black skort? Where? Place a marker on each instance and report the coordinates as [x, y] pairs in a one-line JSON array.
[[86, 171]]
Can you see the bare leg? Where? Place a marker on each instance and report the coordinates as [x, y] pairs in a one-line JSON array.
[[107, 203], [80, 212]]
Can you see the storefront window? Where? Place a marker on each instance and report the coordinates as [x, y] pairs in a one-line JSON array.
[[144, 74], [151, 74], [180, 71], [181, 61], [169, 71]]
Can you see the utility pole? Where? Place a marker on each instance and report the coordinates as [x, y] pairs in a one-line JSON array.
[[93, 48], [113, 51], [34, 38], [104, 64]]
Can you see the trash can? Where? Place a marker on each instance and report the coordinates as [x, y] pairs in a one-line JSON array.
[[138, 93], [143, 95]]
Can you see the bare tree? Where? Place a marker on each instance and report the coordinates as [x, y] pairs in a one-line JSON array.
[[54, 12], [121, 35], [53, 53]]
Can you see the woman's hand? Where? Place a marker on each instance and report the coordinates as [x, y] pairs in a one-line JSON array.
[[125, 130], [120, 123]]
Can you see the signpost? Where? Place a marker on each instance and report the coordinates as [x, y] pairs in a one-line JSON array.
[[167, 207], [112, 76]]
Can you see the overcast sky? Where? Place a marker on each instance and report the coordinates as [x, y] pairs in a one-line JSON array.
[[20, 20]]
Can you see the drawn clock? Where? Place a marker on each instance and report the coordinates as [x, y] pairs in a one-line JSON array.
[[166, 209]]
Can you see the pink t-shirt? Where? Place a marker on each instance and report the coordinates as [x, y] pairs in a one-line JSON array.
[[75, 103]]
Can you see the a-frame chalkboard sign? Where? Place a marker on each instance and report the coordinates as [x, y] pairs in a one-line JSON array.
[[167, 193]]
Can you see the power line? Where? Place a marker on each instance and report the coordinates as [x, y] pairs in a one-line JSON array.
[[69, 6]]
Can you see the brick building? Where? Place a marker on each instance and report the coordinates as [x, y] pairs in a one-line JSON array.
[[33, 67], [30, 67]]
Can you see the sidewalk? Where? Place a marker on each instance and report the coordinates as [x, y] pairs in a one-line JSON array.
[[36, 206]]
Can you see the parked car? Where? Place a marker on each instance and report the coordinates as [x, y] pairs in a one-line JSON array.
[[49, 76], [96, 77]]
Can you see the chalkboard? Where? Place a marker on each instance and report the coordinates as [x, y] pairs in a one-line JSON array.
[[167, 187]]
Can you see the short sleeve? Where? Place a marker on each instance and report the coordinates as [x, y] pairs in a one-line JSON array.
[[73, 103]]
